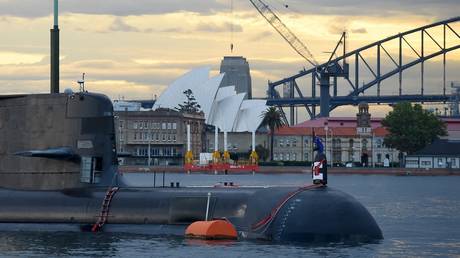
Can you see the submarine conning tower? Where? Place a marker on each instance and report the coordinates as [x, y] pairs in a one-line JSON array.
[[56, 141]]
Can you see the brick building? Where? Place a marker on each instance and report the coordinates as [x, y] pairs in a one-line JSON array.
[[163, 131]]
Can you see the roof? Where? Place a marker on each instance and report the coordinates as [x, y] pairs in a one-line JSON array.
[[337, 122], [440, 147], [332, 131], [222, 106]]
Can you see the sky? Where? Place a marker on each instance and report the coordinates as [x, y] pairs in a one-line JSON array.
[[133, 49]]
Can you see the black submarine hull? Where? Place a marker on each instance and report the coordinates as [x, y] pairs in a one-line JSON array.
[[310, 215]]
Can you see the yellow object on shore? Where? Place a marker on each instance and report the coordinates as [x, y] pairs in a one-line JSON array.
[[226, 157], [189, 157], [254, 158], [216, 157]]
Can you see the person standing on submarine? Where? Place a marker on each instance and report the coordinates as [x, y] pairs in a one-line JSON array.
[[319, 168]]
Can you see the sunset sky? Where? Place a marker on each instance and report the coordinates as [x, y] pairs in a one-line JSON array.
[[135, 48]]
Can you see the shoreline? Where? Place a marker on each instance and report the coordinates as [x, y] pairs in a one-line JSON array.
[[304, 170]]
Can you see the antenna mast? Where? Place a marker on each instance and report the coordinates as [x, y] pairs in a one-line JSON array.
[[54, 73]]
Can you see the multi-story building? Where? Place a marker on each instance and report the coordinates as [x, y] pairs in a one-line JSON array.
[[163, 132], [346, 140], [237, 73], [342, 144]]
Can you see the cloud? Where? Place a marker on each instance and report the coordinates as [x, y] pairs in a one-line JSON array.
[[223, 27], [359, 31], [120, 25], [261, 36], [34, 8]]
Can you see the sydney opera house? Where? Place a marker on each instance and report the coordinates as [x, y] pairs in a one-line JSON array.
[[223, 107]]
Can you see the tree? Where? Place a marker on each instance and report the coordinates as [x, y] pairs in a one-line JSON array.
[[272, 118], [190, 105], [411, 128], [262, 152]]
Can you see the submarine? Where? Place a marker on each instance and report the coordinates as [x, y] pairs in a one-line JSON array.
[[58, 166], [59, 171]]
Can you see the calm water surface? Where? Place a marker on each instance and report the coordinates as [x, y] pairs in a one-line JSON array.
[[419, 216]]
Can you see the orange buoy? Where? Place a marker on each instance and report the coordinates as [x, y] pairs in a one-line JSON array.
[[214, 229]]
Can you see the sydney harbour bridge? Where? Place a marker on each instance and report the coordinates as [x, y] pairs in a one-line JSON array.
[[358, 76]]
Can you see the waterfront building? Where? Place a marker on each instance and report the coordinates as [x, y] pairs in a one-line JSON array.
[[237, 73], [343, 144], [347, 141], [237, 142], [442, 153], [223, 107], [163, 132]]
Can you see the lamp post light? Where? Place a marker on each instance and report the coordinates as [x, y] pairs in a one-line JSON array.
[[326, 128], [149, 141]]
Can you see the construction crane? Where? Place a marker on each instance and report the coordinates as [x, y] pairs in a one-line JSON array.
[[284, 31], [324, 72]]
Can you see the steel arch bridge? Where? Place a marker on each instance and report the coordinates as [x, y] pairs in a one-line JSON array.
[[339, 68]]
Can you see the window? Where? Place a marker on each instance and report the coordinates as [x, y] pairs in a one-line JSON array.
[[135, 125], [281, 143], [121, 123], [146, 125], [379, 143], [275, 156], [174, 137], [426, 163], [364, 142], [174, 126], [169, 126], [157, 137], [281, 156], [287, 156], [169, 137], [146, 136], [305, 156], [305, 142], [288, 144], [163, 126], [379, 157], [163, 137], [294, 142], [135, 136], [293, 156]]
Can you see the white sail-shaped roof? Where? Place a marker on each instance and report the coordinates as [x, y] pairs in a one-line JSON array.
[[250, 115], [225, 92], [173, 95], [222, 107], [226, 111], [206, 93]]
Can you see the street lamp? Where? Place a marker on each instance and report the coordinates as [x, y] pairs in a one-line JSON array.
[[326, 128]]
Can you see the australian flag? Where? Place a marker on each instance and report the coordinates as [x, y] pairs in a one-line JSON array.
[[318, 144]]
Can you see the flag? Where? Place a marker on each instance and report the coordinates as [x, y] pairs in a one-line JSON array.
[[319, 145]]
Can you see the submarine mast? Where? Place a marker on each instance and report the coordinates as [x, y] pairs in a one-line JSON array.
[[55, 52]]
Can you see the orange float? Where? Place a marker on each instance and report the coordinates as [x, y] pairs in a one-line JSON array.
[[211, 230]]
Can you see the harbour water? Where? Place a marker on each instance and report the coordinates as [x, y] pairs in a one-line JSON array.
[[419, 217]]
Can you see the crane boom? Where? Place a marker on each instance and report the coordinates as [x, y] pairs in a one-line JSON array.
[[284, 31]]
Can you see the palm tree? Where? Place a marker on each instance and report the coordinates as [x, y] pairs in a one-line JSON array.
[[272, 118]]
